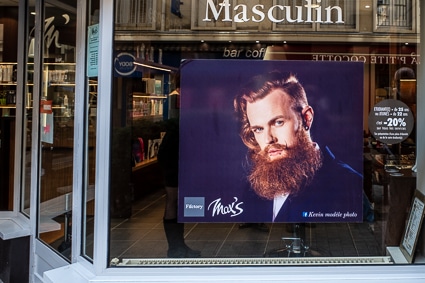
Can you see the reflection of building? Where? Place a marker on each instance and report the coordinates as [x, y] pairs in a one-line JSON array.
[[359, 38], [384, 34]]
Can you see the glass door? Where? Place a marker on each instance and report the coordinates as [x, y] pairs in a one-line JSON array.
[[56, 95]]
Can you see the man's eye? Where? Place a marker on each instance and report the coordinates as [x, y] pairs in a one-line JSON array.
[[279, 122], [257, 130]]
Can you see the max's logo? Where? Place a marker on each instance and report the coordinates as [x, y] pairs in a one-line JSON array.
[[234, 208]]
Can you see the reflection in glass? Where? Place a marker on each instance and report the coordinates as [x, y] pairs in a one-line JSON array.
[[56, 118], [27, 123], [8, 94], [90, 143]]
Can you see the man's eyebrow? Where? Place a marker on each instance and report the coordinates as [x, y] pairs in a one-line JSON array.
[[271, 121], [281, 116], [253, 127]]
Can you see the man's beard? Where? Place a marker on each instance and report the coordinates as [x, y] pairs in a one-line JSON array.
[[286, 175]]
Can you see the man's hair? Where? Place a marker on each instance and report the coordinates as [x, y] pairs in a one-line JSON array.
[[259, 87]]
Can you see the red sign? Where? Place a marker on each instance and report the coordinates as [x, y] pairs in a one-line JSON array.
[[46, 106]]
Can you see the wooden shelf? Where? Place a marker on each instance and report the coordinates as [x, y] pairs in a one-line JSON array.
[[144, 163]]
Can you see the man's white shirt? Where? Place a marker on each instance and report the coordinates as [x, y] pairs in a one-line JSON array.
[[278, 203]]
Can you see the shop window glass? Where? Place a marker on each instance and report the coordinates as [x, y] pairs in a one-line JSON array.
[[56, 127], [145, 97], [8, 87], [28, 102], [90, 130]]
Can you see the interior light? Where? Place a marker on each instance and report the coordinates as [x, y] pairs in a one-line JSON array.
[[152, 67]]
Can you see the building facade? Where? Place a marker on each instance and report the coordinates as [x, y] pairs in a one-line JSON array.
[[88, 95]]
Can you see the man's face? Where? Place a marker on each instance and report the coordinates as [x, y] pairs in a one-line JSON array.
[[274, 124]]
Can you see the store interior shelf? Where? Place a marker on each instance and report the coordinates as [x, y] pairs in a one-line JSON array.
[[146, 95], [144, 163]]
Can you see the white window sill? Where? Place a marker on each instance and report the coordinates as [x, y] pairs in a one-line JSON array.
[[13, 227], [77, 273]]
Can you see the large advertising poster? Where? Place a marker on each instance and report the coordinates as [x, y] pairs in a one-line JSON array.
[[271, 141]]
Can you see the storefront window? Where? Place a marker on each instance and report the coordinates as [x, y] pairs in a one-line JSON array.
[[8, 71], [90, 122], [27, 120], [56, 98], [153, 68]]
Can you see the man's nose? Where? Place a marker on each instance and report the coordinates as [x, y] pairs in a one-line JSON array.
[[270, 137]]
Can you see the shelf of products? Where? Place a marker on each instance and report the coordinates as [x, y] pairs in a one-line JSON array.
[[59, 87], [8, 73], [144, 105], [7, 89], [147, 108], [150, 100]]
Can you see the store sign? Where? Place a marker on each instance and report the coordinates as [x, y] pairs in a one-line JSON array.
[[93, 50], [256, 53], [46, 121], [413, 59], [373, 57], [308, 13], [391, 121], [124, 64]]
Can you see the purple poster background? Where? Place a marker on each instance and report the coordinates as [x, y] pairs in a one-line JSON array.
[[213, 160]]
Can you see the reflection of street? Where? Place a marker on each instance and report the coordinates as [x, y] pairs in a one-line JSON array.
[[62, 162], [58, 166], [56, 191]]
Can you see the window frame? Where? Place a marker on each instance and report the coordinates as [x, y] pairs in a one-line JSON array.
[[80, 271], [133, 23], [395, 29]]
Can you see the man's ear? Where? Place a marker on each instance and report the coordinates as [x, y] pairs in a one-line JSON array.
[[307, 115]]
